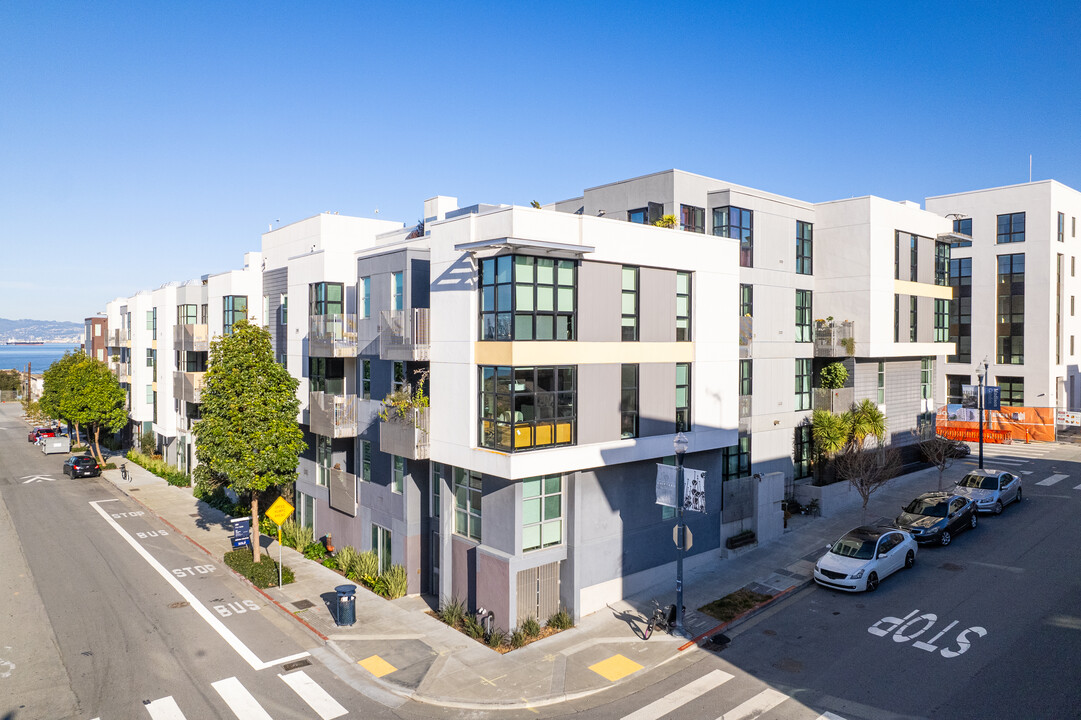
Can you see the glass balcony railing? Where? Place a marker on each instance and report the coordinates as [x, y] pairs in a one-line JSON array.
[[191, 338], [332, 335], [188, 386]]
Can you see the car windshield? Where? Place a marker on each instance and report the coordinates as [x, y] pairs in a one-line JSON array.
[[932, 508], [980, 482], [854, 547]]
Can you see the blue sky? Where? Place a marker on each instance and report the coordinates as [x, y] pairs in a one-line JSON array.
[[147, 142]]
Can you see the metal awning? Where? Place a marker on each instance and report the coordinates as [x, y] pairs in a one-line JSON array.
[[542, 247], [953, 237]]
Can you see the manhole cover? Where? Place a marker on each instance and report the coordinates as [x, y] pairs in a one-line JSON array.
[[952, 567], [178, 605], [303, 604]]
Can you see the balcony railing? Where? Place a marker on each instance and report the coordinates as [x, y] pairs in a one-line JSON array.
[[124, 338], [834, 339], [746, 334], [835, 400], [191, 338], [188, 386], [744, 406], [406, 437], [403, 334], [122, 371], [332, 335], [333, 416]]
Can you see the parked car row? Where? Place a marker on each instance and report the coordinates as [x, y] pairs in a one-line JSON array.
[[864, 556]]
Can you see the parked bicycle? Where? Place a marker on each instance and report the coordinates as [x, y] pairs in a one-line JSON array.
[[664, 618], [124, 474]]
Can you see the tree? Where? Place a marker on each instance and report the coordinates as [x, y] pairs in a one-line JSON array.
[[839, 437], [937, 450], [248, 437], [867, 420], [868, 469], [833, 376], [10, 380], [60, 399], [83, 391]]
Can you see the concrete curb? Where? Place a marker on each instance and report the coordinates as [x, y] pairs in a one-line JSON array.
[[748, 614]]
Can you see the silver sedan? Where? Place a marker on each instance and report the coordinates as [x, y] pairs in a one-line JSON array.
[[991, 490]]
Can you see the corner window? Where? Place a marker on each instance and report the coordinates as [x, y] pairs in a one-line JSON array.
[[639, 216], [366, 297], [683, 397], [683, 306], [542, 512], [736, 460], [803, 316], [942, 263], [527, 298], [234, 309], [467, 503], [692, 219], [526, 408], [187, 314], [325, 299], [628, 401], [962, 226], [737, 223], [1011, 228], [629, 303], [804, 247], [746, 300]]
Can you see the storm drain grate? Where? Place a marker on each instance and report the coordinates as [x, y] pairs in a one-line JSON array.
[[295, 665], [303, 604], [178, 605]]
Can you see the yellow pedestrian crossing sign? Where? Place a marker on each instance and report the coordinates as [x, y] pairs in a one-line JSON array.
[[279, 511]]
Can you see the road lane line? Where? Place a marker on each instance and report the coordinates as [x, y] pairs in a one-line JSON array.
[[1078, 487], [829, 716], [684, 695], [317, 698], [761, 703], [164, 709], [239, 700], [219, 627], [1047, 482]]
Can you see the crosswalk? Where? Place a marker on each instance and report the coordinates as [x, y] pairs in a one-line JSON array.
[[753, 707], [244, 704], [1014, 457]]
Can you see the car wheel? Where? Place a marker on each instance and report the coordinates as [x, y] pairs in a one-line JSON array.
[[1018, 494], [972, 522], [910, 560], [872, 582], [944, 539], [997, 509]]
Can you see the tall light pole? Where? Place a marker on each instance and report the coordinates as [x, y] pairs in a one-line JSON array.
[[982, 374], [680, 444]]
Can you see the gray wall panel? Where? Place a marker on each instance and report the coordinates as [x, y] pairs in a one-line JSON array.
[[657, 399], [657, 305], [599, 286], [598, 403]]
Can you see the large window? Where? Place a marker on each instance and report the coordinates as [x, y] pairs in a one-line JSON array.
[[736, 459], [365, 379], [692, 219], [954, 383], [187, 314], [629, 303], [734, 222], [1012, 391], [964, 227], [1062, 227], [942, 263], [683, 397], [803, 316], [913, 317], [326, 375], [639, 216], [803, 452], [542, 512], [325, 299], [804, 247], [234, 309], [628, 401], [1011, 228], [803, 383], [397, 478], [905, 256], [683, 306], [324, 458], [942, 320], [397, 291], [746, 300], [527, 298], [927, 370], [1010, 335], [961, 309], [881, 382], [365, 461], [523, 408], [467, 500]]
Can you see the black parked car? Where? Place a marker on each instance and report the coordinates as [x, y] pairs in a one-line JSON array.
[[937, 517], [81, 466]]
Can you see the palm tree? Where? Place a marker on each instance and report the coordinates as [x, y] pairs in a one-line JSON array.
[[866, 420], [830, 432]]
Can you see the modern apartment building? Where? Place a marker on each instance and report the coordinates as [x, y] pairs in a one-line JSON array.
[[96, 337], [1016, 278]]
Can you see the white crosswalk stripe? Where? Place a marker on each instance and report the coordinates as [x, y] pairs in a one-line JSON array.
[[164, 709], [240, 701], [680, 697], [1047, 482], [1078, 487], [760, 703], [317, 698]]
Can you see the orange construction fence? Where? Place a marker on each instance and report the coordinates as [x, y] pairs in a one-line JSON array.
[[1011, 424]]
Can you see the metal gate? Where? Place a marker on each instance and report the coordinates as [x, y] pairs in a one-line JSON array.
[[538, 592]]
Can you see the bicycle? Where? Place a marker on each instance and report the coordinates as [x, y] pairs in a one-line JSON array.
[[663, 618], [124, 474]]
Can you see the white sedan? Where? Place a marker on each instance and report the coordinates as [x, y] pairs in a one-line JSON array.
[[863, 557]]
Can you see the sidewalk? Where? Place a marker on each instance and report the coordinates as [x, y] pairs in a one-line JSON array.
[[398, 646]]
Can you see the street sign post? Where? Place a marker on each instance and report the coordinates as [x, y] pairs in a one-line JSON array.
[[279, 511]]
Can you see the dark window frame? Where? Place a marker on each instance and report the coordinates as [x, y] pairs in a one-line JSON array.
[[684, 420], [511, 295], [803, 379], [1010, 309], [804, 313], [1011, 228], [547, 393], [804, 248], [628, 400], [629, 320], [961, 310], [738, 223], [697, 217], [683, 306]]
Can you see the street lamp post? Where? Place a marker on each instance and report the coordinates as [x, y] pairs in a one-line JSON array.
[[979, 404], [680, 443]]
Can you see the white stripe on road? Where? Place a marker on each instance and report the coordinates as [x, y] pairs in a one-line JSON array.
[[239, 700], [996, 461], [164, 709], [760, 703], [1027, 472], [1052, 480], [829, 716], [1078, 487], [219, 627], [317, 698], [684, 695]]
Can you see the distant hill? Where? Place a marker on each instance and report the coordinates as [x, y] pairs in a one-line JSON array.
[[40, 330]]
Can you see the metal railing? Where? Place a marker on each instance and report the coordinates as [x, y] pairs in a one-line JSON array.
[[406, 437], [122, 371], [191, 338], [188, 386], [333, 416], [834, 339], [332, 335], [404, 334]]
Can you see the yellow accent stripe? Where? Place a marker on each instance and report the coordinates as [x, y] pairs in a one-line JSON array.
[[907, 287], [522, 354]]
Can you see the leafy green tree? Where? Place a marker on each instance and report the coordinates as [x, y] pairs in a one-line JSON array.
[[84, 392], [867, 420], [60, 399], [248, 437], [10, 380], [837, 436]]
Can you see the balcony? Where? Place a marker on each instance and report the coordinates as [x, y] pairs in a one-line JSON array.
[[406, 437], [333, 416], [122, 371], [191, 338], [332, 336], [188, 386], [403, 334], [744, 406], [834, 339], [836, 401], [746, 334]]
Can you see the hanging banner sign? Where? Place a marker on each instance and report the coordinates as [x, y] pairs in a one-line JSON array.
[[666, 485], [694, 487]]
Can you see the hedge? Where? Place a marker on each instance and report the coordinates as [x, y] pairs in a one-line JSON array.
[[263, 574]]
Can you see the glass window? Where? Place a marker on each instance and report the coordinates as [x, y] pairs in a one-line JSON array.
[[913, 318], [954, 384], [149, 394], [542, 512], [804, 254], [628, 401], [736, 460], [746, 300], [324, 457], [803, 383], [881, 382], [366, 379], [467, 503], [365, 461], [307, 510], [942, 320], [692, 219], [381, 547], [397, 291], [398, 378], [366, 297], [629, 306], [746, 379], [525, 408], [284, 310], [897, 318], [398, 477], [804, 452], [150, 357], [234, 309], [964, 227], [1061, 227], [683, 397], [683, 306], [927, 368], [149, 319], [942, 263], [326, 375], [639, 215], [1010, 336], [527, 298], [1011, 228], [1012, 390], [803, 316], [961, 309], [734, 222], [187, 314], [439, 471]]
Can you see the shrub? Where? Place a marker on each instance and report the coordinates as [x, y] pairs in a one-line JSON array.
[[315, 551], [296, 536], [518, 638], [147, 443], [377, 585], [397, 581], [472, 628], [367, 564], [269, 527], [531, 627], [331, 562], [160, 468], [560, 620], [347, 557], [452, 611], [264, 574], [497, 638], [833, 376]]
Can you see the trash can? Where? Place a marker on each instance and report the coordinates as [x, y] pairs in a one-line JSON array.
[[346, 609]]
